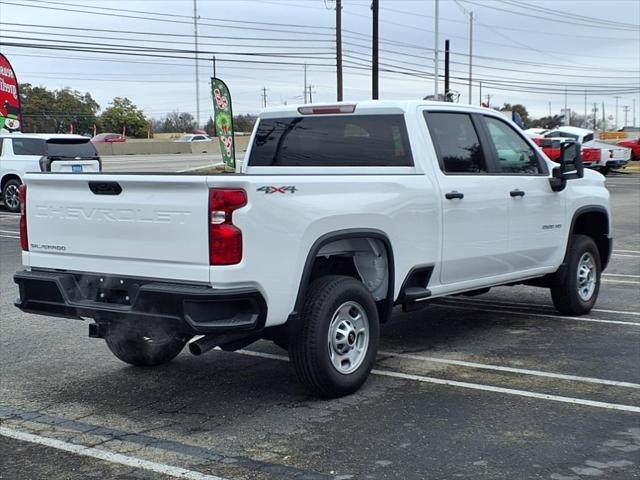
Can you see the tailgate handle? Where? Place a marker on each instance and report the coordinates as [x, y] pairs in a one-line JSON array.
[[105, 188]]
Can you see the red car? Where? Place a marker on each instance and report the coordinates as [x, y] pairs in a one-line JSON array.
[[551, 148], [108, 138], [634, 145]]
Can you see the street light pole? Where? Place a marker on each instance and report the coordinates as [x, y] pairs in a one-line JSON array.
[[195, 36], [435, 46], [470, 52]]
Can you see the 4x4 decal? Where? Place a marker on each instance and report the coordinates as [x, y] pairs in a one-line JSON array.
[[271, 189]]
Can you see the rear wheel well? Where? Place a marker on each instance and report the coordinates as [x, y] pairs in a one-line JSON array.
[[6, 178], [595, 224], [367, 259]]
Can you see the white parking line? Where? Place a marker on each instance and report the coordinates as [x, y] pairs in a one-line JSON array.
[[474, 386], [107, 456], [10, 231], [624, 255], [478, 301], [627, 251], [627, 282], [8, 236], [540, 315], [620, 275], [524, 371]]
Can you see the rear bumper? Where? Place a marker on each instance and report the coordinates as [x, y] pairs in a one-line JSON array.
[[617, 163], [196, 309]]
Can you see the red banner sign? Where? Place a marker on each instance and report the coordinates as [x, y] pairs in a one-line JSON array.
[[10, 116]]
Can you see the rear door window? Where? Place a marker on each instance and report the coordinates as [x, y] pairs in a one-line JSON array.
[[457, 142], [332, 141]]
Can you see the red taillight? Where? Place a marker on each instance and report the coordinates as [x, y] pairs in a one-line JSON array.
[[22, 195], [590, 155], [225, 239]]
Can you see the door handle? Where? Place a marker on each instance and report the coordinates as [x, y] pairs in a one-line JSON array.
[[454, 194], [516, 193]]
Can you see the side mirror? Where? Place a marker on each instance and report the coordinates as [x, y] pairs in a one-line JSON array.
[[570, 166]]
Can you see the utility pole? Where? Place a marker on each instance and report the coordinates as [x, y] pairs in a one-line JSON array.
[[604, 119], [585, 104], [374, 51], [264, 97], [480, 94], [339, 50], [625, 109], [616, 97], [488, 101], [566, 120], [634, 112], [195, 37], [435, 47], [549, 108], [305, 83], [595, 111], [446, 67], [470, 51], [310, 94]]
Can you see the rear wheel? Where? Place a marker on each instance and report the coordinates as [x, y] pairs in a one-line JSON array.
[[144, 345], [335, 346], [577, 291], [10, 195]]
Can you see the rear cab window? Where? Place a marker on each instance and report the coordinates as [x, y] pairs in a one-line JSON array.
[[361, 140], [457, 143]]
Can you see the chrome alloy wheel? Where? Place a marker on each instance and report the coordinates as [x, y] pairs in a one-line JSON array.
[[11, 198], [348, 337], [586, 276]]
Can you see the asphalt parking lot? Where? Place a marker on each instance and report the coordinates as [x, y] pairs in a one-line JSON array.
[[498, 386]]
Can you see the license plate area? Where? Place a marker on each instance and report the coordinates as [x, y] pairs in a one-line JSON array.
[[76, 168], [108, 289]]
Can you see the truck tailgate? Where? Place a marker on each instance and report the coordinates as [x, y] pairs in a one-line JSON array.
[[138, 225]]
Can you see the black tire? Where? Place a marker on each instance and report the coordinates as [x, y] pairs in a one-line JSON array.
[[10, 195], [565, 292], [144, 345], [604, 171], [309, 345]]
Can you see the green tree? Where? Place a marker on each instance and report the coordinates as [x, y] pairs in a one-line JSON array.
[[547, 122], [123, 114], [244, 123], [210, 127], [51, 111]]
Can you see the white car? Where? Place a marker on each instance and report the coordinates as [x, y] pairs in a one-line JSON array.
[[193, 138], [611, 156], [536, 132], [32, 152], [338, 213]]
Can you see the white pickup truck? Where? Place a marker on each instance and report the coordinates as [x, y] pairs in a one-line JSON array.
[[610, 157], [340, 213]]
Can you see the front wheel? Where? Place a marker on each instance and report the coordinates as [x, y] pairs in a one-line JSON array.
[[577, 291], [144, 345], [10, 196], [335, 346]]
